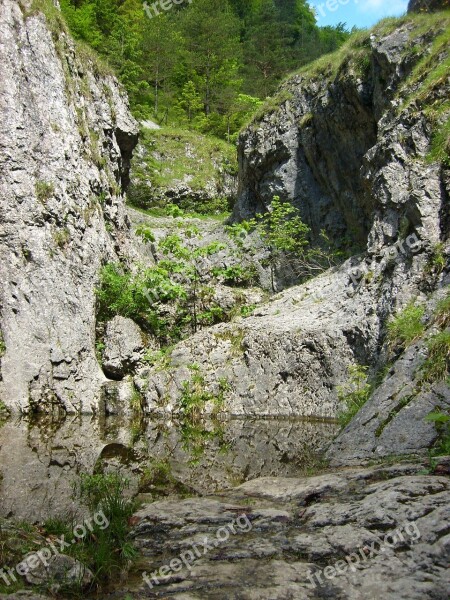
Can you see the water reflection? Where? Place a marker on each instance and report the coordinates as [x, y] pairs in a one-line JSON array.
[[40, 461]]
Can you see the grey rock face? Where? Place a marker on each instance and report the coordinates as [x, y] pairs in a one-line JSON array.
[[60, 570], [350, 154], [65, 148], [341, 151], [291, 355], [393, 421], [123, 347], [391, 525]]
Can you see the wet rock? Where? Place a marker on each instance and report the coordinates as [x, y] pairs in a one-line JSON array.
[[117, 397], [362, 524], [123, 345], [61, 570]]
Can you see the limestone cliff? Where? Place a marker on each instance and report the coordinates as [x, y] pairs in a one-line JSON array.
[[65, 146], [357, 141]]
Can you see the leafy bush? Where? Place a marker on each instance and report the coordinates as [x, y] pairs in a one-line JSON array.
[[407, 326], [442, 312], [287, 237], [354, 394], [236, 275]]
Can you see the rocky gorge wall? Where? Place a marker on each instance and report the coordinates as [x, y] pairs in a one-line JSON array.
[[352, 142], [65, 146]]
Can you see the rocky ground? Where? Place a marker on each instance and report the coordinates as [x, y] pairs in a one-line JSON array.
[[388, 527], [356, 534]]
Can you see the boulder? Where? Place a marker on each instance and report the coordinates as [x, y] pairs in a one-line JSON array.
[[123, 345], [61, 570]]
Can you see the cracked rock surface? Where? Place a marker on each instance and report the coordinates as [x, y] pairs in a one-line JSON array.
[[392, 523]]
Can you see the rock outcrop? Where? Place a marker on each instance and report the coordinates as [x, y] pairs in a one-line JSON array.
[[123, 345], [352, 144], [362, 534], [185, 168], [65, 149]]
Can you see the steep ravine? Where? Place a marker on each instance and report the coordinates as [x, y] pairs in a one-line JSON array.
[[351, 142]]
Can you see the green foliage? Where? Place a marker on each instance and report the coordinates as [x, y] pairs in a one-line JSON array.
[[180, 154], [442, 422], [107, 550], [287, 238], [44, 190], [194, 397], [236, 275], [437, 365], [353, 394], [174, 297], [407, 326], [442, 312], [437, 260], [2, 345], [202, 64]]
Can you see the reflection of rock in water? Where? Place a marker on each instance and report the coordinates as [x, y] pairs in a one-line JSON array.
[[240, 450], [40, 462]]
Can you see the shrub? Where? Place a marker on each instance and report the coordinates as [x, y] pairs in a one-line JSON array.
[[236, 275], [354, 394], [437, 366], [407, 326], [442, 312], [442, 422], [107, 550], [287, 237], [44, 190]]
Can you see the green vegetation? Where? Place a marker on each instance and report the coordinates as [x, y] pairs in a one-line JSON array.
[[175, 297], [203, 65], [407, 326], [442, 422], [437, 365], [194, 400], [158, 480], [44, 190], [107, 550], [354, 394], [287, 238], [174, 156], [437, 260], [194, 397], [442, 312]]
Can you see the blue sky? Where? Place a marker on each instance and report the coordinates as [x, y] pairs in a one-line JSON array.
[[362, 13]]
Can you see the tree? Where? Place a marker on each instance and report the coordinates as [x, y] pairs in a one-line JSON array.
[[266, 50], [211, 31], [190, 100], [162, 46]]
